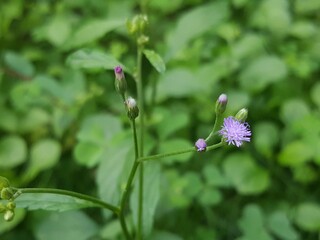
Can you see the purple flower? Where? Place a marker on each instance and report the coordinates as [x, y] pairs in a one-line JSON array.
[[235, 132], [201, 145], [119, 73]]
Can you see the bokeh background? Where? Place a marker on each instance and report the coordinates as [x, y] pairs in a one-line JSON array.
[[62, 125]]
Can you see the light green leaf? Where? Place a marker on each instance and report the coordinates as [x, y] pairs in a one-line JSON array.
[[307, 6], [8, 120], [194, 23], [59, 24], [179, 82], [262, 72], [245, 175], [33, 120], [307, 217], [95, 136], [92, 59], [214, 177], [266, 137], [209, 196], [92, 31], [294, 110], [280, 225], [252, 224], [51, 202], [13, 151], [303, 29], [155, 60], [295, 153], [44, 154], [151, 195], [175, 145], [68, 225], [19, 64]]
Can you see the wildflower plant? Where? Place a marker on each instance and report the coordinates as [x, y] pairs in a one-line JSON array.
[[234, 131]]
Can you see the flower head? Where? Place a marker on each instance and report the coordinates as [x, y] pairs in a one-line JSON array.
[[201, 145], [235, 132], [132, 108], [120, 82]]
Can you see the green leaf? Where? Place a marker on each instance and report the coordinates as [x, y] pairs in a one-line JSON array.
[[68, 225], [245, 175], [18, 217], [248, 46], [13, 151], [114, 168], [51, 202], [315, 93], [8, 120], [294, 110], [33, 120], [92, 59], [252, 224], [262, 72], [157, 235], [307, 6], [43, 155], [59, 24], [179, 82], [19, 64], [280, 225], [95, 136], [170, 121], [214, 177], [307, 217], [151, 195], [209, 196], [266, 138], [194, 23], [175, 145], [295, 153], [303, 29], [92, 31], [155, 60]]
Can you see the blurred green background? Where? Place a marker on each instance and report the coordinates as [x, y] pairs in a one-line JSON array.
[[62, 125]]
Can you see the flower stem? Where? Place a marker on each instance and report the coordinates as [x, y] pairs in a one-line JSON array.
[[214, 129], [192, 149], [141, 138], [88, 198], [126, 192]]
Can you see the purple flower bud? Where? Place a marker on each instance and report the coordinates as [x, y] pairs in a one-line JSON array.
[[221, 103], [235, 132], [120, 82], [201, 145]]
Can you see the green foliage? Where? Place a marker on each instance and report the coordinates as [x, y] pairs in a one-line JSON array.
[[62, 124]]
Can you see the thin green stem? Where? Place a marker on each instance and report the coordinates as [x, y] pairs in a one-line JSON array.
[[141, 138], [126, 191], [192, 149], [214, 129], [88, 198]]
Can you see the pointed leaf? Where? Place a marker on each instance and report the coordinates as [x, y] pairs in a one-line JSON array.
[[155, 60]]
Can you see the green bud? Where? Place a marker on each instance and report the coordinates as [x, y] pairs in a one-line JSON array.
[[143, 39], [4, 183], [221, 103], [8, 215], [7, 193], [132, 108], [11, 205], [137, 24], [120, 81], [242, 115]]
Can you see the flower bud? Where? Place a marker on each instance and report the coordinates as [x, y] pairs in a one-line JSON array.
[[201, 145], [132, 108], [8, 215], [4, 183], [242, 115], [137, 24], [221, 103], [7, 193], [11, 205], [120, 81]]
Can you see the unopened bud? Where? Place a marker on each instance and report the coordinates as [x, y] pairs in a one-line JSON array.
[[11, 205], [132, 108], [8, 215], [221, 103], [120, 81], [201, 145], [4, 183], [137, 24], [242, 115], [7, 193]]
